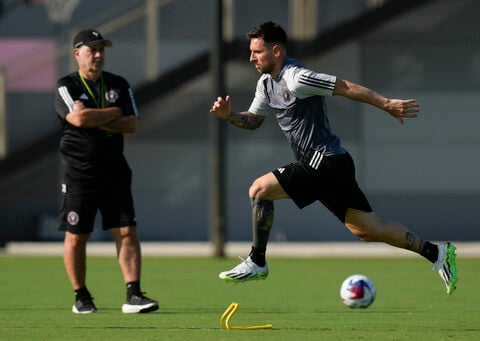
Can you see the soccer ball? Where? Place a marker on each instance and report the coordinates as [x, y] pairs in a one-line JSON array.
[[357, 291]]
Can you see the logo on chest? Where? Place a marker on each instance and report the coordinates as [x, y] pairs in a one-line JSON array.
[[111, 96]]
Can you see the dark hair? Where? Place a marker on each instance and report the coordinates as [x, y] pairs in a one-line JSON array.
[[270, 32]]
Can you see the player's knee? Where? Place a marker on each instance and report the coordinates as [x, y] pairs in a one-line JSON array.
[[76, 239], [257, 190], [254, 190], [124, 234]]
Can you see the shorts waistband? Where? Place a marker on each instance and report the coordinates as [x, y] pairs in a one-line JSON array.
[[314, 157]]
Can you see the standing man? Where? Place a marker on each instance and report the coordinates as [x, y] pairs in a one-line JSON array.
[[323, 170], [96, 108]]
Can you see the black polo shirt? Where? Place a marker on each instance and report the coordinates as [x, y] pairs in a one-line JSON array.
[[91, 154]]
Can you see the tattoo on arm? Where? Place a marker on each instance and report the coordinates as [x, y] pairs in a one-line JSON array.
[[245, 120]]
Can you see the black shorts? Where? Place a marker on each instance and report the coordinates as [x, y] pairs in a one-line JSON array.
[[333, 184], [80, 204]]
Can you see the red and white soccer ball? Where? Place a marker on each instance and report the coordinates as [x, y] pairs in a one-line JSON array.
[[357, 291]]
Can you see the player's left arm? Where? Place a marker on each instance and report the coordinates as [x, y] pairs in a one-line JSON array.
[[398, 108], [121, 125], [126, 124]]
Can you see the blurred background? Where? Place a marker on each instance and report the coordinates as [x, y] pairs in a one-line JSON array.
[[424, 174]]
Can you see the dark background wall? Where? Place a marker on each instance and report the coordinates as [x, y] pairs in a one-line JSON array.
[[423, 174]]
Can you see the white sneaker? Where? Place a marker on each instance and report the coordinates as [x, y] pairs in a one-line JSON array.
[[139, 304], [247, 270], [447, 266]]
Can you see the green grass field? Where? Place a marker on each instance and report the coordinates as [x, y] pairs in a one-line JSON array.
[[300, 299]]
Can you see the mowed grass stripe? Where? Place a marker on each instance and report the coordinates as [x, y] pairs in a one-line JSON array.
[[300, 299]]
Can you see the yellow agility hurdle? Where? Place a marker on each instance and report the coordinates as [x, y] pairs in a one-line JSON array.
[[228, 314]]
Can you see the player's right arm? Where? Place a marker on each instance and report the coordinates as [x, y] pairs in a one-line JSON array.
[[221, 108], [91, 118]]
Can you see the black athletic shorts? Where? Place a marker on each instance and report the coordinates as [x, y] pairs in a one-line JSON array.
[[80, 204], [333, 183]]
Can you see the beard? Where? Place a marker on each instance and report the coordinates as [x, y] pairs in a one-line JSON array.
[[264, 69]]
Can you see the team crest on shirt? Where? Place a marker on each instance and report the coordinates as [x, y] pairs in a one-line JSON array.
[[286, 95], [111, 96], [73, 218]]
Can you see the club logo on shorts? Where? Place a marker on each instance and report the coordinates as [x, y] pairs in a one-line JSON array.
[[111, 96], [73, 218]]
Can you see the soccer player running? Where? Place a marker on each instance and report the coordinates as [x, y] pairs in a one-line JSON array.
[[323, 170], [96, 108]]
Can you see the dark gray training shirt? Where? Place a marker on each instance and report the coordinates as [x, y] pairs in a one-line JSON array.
[[296, 97]]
